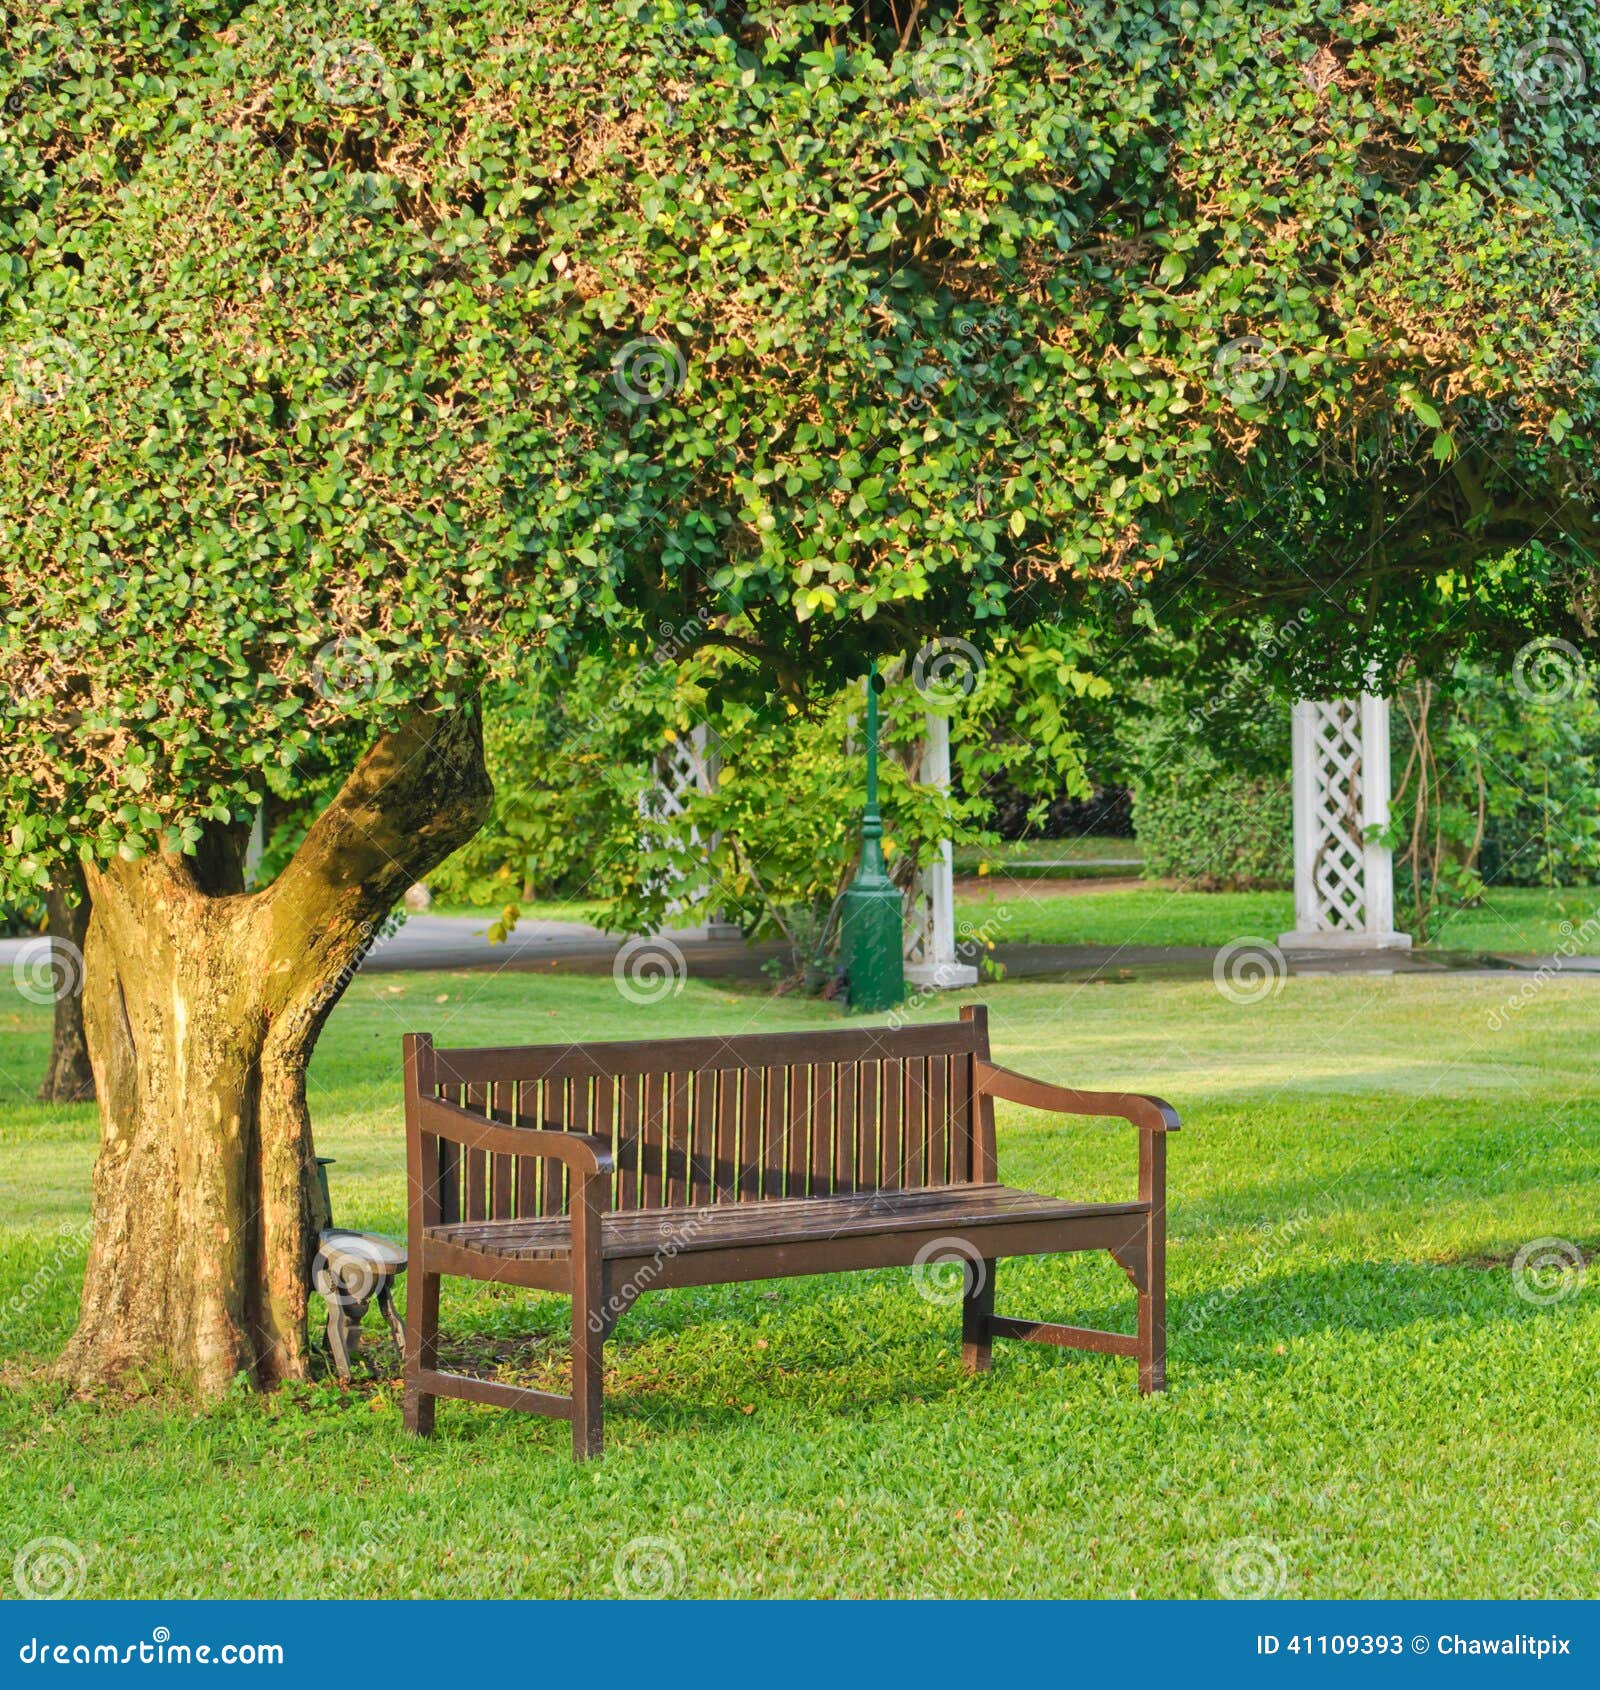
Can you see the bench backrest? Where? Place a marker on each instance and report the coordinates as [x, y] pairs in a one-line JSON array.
[[752, 1118]]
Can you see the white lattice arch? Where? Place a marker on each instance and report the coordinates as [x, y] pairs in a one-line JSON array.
[[1343, 880]]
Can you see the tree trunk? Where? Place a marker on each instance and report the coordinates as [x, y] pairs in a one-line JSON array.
[[202, 1007], [69, 1078]]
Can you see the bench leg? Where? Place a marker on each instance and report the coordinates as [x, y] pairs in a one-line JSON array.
[[588, 1356], [977, 1304], [589, 1198], [421, 1350], [1153, 1299]]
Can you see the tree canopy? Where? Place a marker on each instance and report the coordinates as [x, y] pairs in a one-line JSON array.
[[351, 349]]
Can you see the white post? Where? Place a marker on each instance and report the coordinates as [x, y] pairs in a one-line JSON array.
[[1343, 882], [931, 957]]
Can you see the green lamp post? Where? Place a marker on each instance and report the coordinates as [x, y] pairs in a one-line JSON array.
[[870, 926]]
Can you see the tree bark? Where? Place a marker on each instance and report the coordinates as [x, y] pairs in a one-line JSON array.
[[202, 1008], [69, 1077]]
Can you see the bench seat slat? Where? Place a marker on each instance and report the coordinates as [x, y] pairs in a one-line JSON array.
[[643, 1232]]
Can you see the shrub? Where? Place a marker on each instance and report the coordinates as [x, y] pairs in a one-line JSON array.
[[1209, 826]]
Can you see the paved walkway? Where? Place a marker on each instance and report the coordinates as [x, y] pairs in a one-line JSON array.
[[569, 947], [435, 941]]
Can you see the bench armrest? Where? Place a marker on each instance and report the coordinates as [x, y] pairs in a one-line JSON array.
[[1153, 1114], [586, 1153]]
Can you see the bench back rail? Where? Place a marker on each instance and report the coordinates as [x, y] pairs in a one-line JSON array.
[[699, 1121]]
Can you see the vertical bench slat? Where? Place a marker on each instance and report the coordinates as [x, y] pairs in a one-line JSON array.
[[577, 1114], [653, 1146], [503, 1108], [867, 1117], [604, 1121], [476, 1207], [678, 1142], [775, 1100], [725, 1136], [524, 1111], [703, 1149], [960, 1119], [749, 1135], [938, 1120], [844, 1132], [629, 1139], [578, 1105], [890, 1151], [797, 1136], [819, 1181], [551, 1115], [449, 1166], [915, 1170]]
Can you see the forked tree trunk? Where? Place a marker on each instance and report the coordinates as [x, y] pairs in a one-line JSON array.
[[69, 1077], [202, 1007]]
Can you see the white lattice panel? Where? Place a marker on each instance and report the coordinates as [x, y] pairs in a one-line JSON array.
[[1339, 848], [687, 766], [1343, 879]]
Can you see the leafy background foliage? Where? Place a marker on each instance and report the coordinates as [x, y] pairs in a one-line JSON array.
[[357, 350], [576, 762]]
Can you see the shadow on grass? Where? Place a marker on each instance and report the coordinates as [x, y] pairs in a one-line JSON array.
[[850, 1348]]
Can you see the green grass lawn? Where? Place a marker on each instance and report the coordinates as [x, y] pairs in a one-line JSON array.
[[1091, 854], [1359, 1394], [1516, 919]]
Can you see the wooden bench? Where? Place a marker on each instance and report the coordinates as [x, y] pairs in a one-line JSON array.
[[605, 1170]]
